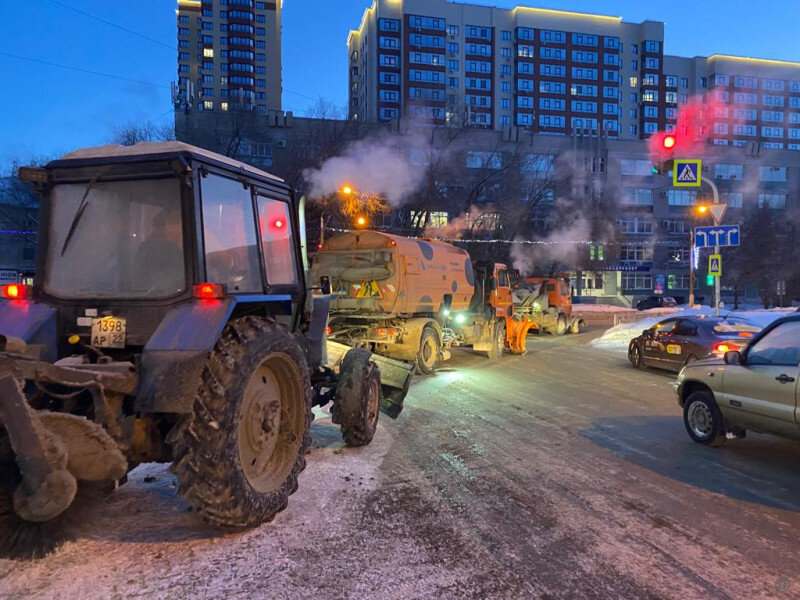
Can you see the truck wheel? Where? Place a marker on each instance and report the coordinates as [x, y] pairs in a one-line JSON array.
[[428, 355], [561, 325], [703, 419], [498, 346], [358, 398], [237, 457]]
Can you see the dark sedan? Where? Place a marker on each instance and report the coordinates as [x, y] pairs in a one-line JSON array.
[[656, 302], [677, 341]]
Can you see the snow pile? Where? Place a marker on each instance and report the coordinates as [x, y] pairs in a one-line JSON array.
[[617, 338], [600, 308]]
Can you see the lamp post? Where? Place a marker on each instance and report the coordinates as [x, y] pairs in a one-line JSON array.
[[704, 210], [701, 209]]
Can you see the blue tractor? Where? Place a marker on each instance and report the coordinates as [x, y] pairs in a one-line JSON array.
[[171, 319]]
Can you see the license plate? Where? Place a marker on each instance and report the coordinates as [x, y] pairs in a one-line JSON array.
[[108, 332]]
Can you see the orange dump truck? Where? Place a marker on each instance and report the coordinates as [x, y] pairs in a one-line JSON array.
[[414, 299], [547, 301]]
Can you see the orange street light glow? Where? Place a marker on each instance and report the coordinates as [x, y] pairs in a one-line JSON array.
[[702, 209], [347, 190], [361, 221]]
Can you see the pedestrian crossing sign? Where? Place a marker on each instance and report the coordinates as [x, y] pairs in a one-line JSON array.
[[686, 172], [715, 265]]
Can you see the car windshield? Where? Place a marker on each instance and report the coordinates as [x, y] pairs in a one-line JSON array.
[[733, 327], [120, 239]]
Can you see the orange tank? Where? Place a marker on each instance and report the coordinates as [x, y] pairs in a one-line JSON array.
[[383, 274]]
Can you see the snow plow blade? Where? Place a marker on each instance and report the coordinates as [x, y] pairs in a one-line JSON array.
[[517, 333], [396, 376]]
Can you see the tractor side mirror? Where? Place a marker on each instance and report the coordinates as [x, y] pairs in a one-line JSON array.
[[325, 285], [733, 357]]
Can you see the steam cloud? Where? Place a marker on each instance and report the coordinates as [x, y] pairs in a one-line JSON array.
[[371, 166]]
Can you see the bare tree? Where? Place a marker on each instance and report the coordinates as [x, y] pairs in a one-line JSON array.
[[131, 133]]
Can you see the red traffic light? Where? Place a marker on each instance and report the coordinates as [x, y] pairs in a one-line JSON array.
[[668, 142]]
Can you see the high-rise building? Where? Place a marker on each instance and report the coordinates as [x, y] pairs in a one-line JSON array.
[[753, 100], [548, 70], [229, 55], [555, 72]]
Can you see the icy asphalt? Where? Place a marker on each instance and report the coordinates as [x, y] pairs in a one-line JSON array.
[[560, 474]]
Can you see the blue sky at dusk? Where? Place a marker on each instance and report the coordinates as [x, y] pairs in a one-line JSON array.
[[46, 110]]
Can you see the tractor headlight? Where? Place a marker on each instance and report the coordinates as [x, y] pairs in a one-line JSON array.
[[461, 318]]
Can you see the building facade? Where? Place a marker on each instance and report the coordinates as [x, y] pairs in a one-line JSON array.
[[556, 72], [229, 55]]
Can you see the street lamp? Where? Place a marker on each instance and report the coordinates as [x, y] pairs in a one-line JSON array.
[[346, 190], [361, 221], [699, 211]]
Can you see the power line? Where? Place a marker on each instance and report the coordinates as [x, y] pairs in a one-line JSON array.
[[110, 24], [52, 64]]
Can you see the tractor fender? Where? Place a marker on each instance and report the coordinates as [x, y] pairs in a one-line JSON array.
[[172, 361], [31, 322]]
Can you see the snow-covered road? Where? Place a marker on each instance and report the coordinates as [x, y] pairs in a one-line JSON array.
[[560, 474]]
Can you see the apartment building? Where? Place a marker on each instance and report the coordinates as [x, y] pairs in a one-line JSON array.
[[229, 55], [556, 72], [754, 100], [546, 70]]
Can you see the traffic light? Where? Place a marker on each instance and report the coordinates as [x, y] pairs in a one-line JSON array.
[[710, 280], [664, 153]]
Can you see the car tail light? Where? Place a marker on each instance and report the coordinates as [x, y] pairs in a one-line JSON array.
[[16, 291], [724, 347], [208, 291]]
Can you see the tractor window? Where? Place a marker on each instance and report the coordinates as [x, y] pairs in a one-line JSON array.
[[116, 239], [229, 233], [276, 238]]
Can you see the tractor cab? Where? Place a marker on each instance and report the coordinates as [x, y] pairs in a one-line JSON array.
[[132, 237]]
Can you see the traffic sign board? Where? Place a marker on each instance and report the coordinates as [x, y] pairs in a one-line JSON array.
[[687, 172], [718, 211], [715, 265], [718, 235]]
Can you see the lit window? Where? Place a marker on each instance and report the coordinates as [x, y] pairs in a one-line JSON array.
[[224, 106], [208, 104], [208, 52]]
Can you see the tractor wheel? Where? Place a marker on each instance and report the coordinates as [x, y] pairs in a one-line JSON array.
[[498, 346], [428, 355], [575, 327], [358, 398], [238, 456]]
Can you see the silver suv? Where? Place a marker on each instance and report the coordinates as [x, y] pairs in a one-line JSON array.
[[754, 389]]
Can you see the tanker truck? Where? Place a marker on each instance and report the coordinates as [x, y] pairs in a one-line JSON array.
[[415, 299]]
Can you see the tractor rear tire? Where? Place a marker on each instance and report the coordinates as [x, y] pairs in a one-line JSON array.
[[238, 456], [428, 355], [358, 398]]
